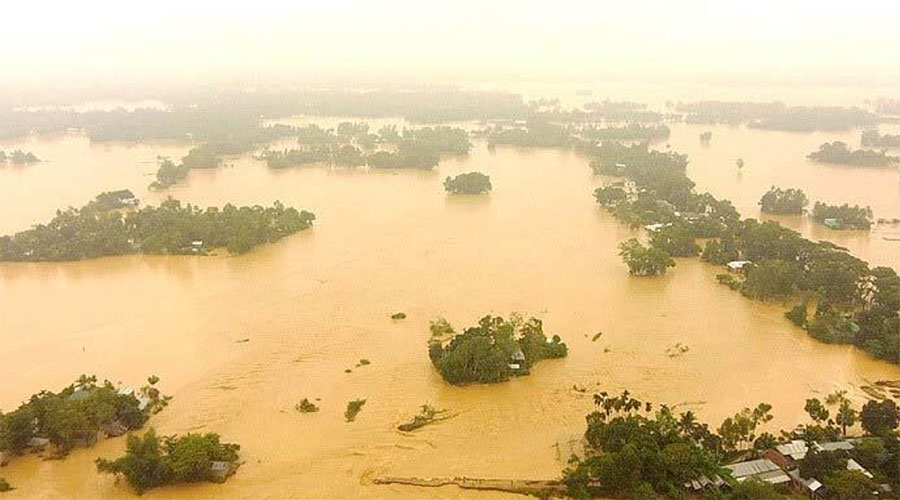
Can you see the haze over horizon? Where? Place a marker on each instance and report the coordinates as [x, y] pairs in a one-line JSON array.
[[768, 42]]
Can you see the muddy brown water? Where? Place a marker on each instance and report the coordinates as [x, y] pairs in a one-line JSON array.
[[315, 303]]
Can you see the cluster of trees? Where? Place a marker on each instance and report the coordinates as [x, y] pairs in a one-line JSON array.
[[839, 153], [168, 173], [468, 183], [630, 132], [413, 148], [18, 157], [540, 134], [151, 461], [635, 449], [872, 139], [493, 351], [854, 304], [75, 415], [645, 261], [171, 228], [848, 217], [783, 201]]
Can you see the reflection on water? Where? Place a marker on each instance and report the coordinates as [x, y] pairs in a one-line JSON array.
[[314, 304]]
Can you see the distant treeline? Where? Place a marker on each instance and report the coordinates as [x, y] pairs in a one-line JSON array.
[[96, 230], [777, 115], [872, 139], [839, 153]]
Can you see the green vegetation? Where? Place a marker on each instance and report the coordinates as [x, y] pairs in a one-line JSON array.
[[880, 418], [635, 449], [539, 134], [493, 351], [872, 139], [783, 201], [172, 228], [168, 174], [630, 132], [114, 200], [151, 461], [4, 486], [353, 409], [633, 452], [306, 406], [843, 216], [75, 415], [468, 183], [295, 157], [839, 153], [644, 261], [19, 157], [206, 156]]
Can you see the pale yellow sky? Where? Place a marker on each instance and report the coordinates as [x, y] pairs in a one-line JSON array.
[[164, 40]]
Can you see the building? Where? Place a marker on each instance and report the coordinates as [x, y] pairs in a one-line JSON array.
[[219, 470], [832, 223], [763, 469], [517, 360], [737, 266], [656, 227]]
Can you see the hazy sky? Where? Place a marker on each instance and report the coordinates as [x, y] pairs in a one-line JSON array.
[[99, 41]]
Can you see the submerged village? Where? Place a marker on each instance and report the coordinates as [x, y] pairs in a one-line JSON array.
[[625, 444]]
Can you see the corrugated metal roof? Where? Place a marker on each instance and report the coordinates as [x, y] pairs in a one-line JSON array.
[[835, 445], [796, 449], [854, 465], [752, 467]]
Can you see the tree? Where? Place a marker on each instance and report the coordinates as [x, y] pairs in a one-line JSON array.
[[16, 429], [783, 201], [740, 430], [143, 465], [851, 485], [816, 410], [644, 261], [469, 183], [846, 415], [677, 240], [880, 417], [754, 488]]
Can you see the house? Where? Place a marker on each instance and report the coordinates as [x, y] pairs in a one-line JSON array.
[[698, 485], [196, 245], [126, 391], [737, 266], [219, 470], [143, 403], [656, 227], [517, 360], [37, 444], [832, 223], [114, 429], [762, 468]]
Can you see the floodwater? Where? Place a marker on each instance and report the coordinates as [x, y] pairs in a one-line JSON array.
[[316, 303]]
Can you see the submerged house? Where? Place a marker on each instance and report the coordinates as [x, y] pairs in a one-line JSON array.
[[517, 360], [220, 470], [833, 223]]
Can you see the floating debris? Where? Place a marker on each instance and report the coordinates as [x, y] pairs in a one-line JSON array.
[[677, 350], [242, 341], [353, 409], [596, 336], [428, 415], [399, 315]]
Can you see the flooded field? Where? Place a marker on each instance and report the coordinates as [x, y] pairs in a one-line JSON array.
[[316, 303]]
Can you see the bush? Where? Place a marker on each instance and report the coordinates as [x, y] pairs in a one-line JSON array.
[[469, 183]]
